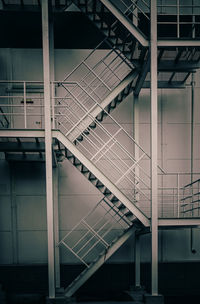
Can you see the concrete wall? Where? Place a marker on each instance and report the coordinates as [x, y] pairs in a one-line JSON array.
[[22, 186]]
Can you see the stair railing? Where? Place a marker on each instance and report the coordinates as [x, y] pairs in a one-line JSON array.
[[179, 9], [190, 202], [95, 232], [24, 100], [102, 149]]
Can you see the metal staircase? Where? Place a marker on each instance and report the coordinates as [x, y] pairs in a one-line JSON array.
[[95, 238], [97, 145], [101, 153], [99, 82], [108, 225], [115, 19]]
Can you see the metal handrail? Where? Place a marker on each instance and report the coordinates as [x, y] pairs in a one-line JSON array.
[[163, 9], [94, 231], [113, 153]]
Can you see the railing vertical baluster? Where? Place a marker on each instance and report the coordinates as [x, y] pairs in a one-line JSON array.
[[53, 104]]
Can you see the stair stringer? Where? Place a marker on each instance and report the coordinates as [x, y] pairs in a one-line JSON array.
[[96, 172], [126, 23], [90, 116], [88, 272]]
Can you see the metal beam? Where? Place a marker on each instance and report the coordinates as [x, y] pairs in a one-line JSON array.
[[178, 43], [128, 24], [56, 226], [99, 175], [178, 223], [142, 76], [24, 158], [170, 66], [136, 121], [181, 66], [165, 85], [154, 152], [14, 230], [22, 133], [137, 261], [48, 147]]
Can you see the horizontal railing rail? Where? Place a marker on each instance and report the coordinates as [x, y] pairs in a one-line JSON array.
[[190, 202], [183, 17], [22, 103]]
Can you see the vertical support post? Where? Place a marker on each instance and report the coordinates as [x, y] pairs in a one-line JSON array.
[[53, 103], [56, 227], [48, 147], [13, 214], [136, 123], [154, 151], [137, 262], [192, 128], [136, 133], [25, 110], [52, 66]]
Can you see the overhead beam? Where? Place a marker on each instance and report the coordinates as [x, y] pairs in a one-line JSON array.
[[181, 66], [170, 66], [24, 158], [166, 85], [22, 133], [174, 222], [178, 43]]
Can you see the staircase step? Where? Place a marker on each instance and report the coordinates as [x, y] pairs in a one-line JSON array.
[[92, 177], [84, 170], [107, 192]]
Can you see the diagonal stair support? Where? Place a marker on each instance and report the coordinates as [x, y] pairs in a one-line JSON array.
[[96, 172], [85, 122], [88, 272], [142, 76], [127, 24]]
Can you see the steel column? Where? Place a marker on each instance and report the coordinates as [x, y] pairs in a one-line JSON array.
[[13, 215], [56, 227], [154, 148], [137, 261], [136, 133], [48, 147]]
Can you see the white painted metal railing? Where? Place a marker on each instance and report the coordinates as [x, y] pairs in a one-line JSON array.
[[111, 149], [94, 234], [107, 145], [190, 201], [92, 80], [22, 104], [182, 15], [174, 195]]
